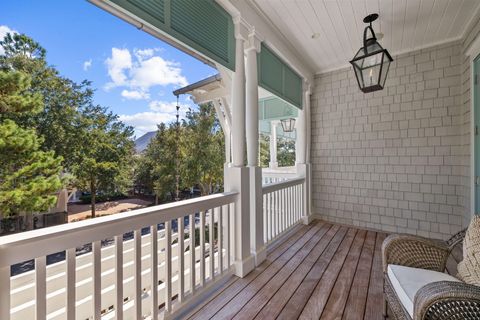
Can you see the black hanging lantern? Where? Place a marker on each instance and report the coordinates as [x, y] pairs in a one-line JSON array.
[[371, 62], [288, 125]]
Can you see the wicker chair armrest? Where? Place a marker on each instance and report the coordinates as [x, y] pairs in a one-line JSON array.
[[414, 251], [447, 300], [456, 239]]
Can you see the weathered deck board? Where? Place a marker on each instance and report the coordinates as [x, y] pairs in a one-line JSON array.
[[276, 303], [374, 305], [296, 268], [321, 271], [285, 263], [359, 290], [288, 248], [338, 296]]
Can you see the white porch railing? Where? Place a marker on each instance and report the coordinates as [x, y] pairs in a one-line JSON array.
[[274, 175], [92, 286], [282, 207]]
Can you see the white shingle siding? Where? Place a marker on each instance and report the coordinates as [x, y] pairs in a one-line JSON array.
[[397, 159]]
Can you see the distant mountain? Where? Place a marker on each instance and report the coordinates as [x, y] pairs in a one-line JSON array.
[[142, 142]]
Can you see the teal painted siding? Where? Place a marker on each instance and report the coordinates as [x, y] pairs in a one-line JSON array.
[[201, 24], [277, 77], [275, 109]]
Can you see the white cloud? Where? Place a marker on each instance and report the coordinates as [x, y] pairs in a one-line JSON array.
[[144, 122], [162, 106], [143, 71], [157, 71], [161, 111], [135, 94], [117, 64], [3, 32], [87, 65], [144, 53]]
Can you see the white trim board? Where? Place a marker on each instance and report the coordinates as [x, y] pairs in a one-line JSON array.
[[472, 52]]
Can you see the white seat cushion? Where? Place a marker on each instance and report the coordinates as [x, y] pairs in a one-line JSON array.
[[407, 281]]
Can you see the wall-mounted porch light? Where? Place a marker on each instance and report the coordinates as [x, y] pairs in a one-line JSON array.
[[371, 62], [288, 125]]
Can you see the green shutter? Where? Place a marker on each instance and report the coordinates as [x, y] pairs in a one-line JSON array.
[[274, 108], [277, 77], [201, 24], [153, 8]]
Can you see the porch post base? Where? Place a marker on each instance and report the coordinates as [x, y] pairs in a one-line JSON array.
[[243, 267], [237, 179], [306, 220], [260, 255]]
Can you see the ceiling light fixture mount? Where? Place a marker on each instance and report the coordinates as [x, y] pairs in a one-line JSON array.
[[372, 61]]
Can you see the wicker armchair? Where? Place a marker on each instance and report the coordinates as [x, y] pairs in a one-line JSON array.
[[436, 300]]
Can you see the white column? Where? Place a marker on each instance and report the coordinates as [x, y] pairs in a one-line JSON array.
[[303, 166], [301, 143], [273, 144], [237, 176], [252, 100], [238, 103], [256, 213]]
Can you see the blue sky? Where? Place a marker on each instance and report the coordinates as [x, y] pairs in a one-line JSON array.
[[134, 73]]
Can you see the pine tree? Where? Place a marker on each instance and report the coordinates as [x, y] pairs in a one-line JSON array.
[[29, 177]]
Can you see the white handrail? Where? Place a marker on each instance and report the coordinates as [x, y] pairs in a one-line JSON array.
[[149, 269], [269, 188], [17, 248]]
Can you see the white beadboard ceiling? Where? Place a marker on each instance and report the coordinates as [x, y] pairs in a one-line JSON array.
[[407, 25]]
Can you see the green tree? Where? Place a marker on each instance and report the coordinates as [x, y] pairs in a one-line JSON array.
[[29, 177], [160, 161], [105, 153], [62, 99], [203, 150], [286, 152], [264, 150], [195, 151]]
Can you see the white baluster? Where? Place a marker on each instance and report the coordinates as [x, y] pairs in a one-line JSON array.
[[193, 281], [210, 240], [168, 266], [154, 269], [5, 293], [270, 216], [71, 279], [181, 258], [202, 248], [97, 280], [138, 273], [228, 242], [220, 240], [119, 277], [265, 220], [41, 288]]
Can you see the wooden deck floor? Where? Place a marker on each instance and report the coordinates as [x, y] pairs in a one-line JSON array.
[[322, 271]]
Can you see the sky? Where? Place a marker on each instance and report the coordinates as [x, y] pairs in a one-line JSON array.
[[133, 73]]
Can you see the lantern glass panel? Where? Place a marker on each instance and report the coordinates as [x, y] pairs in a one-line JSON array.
[[386, 65], [371, 74], [358, 75]]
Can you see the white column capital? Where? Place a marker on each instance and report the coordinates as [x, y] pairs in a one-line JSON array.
[[254, 41], [242, 28], [307, 87]]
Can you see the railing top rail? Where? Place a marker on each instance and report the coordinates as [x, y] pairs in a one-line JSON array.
[[24, 246], [268, 188]]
